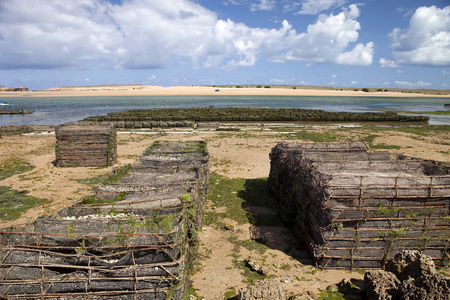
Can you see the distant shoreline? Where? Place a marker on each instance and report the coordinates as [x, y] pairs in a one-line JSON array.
[[142, 90]]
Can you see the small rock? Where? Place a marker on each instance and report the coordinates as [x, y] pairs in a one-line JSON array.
[[231, 225], [257, 265], [254, 264]]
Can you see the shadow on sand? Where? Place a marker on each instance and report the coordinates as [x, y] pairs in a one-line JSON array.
[[267, 227]]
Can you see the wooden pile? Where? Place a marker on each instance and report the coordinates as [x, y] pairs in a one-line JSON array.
[[355, 208], [133, 239], [85, 145]]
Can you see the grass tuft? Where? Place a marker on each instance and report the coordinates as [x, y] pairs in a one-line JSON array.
[[238, 194], [13, 203], [14, 167]]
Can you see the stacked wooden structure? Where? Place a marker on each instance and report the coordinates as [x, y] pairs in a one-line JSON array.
[[355, 208], [85, 144], [133, 239]]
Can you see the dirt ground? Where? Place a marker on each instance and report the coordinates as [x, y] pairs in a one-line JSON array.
[[241, 154]]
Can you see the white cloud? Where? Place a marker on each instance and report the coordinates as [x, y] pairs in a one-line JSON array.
[[308, 7], [386, 63], [137, 34], [48, 34], [361, 55], [155, 32], [418, 84], [235, 2], [290, 5], [263, 5], [254, 5], [244, 43], [279, 81], [147, 34], [327, 40], [427, 39], [314, 7]]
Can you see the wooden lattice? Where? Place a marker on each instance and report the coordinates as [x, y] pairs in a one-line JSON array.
[[355, 208], [133, 239], [85, 145]]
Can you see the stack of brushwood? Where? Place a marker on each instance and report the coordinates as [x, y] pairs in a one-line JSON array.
[[355, 208], [134, 238], [85, 144], [186, 117]]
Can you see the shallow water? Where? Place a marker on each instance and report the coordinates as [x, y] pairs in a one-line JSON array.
[[59, 110]]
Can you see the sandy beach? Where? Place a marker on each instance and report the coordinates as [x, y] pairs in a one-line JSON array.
[[141, 90]]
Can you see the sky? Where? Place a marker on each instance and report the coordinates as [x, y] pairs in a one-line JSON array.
[[340, 43]]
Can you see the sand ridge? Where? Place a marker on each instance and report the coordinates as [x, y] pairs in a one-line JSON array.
[[143, 90]]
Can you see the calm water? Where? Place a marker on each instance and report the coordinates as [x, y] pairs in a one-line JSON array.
[[59, 110]]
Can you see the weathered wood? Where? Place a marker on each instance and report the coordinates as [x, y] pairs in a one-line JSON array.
[[130, 239], [85, 145], [346, 199]]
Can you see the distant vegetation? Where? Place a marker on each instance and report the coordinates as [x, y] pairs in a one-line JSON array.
[[329, 88]]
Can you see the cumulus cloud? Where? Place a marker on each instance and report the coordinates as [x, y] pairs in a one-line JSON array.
[[147, 34], [327, 40], [361, 55], [53, 34], [137, 34], [245, 44], [154, 32], [314, 7], [425, 42]]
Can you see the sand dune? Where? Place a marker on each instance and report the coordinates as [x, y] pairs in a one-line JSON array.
[[142, 90]]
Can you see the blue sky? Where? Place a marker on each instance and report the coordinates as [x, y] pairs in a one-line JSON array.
[[365, 43]]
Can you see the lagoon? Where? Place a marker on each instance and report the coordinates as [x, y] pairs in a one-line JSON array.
[[60, 110]]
